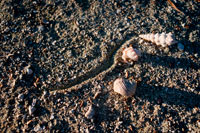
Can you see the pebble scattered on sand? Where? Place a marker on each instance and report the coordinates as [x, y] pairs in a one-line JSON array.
[[180, 46], [50, 44], [90, 113]]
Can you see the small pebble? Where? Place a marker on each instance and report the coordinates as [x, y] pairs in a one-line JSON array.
[[180, 46], [29, 71], [166, 50], [40, 28], [52, 116], [96, 94], [193, 36], [69, 53], [31, 110], [21, 97], [12, 83], [198, 123], [37, 128], [44, 94], [34, 102], [118, 11], [90, 113]]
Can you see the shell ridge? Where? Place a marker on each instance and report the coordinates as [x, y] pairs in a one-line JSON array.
[[162, 39]]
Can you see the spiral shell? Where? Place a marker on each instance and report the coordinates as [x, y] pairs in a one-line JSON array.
[[162, 39], [124, 87], [131, 53]]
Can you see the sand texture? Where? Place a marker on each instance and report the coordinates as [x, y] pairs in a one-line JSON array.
[[59, 59]]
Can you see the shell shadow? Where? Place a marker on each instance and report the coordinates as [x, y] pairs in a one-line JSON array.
[[170, 96], [171, 62]]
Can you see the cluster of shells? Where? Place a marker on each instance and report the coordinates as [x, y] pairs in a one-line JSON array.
[[124, 86]]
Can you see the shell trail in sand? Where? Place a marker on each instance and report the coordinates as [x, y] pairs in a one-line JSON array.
[[99, 71]]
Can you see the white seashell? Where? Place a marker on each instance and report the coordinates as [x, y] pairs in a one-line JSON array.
[[131, 53], [124, 87], [162, 39], [156, 39], [170, 39], [90, 113], [152, 38]]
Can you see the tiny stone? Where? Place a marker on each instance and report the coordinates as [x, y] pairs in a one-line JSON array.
[[29, 71], [21, 97], [44, 93], [37, 128], [40, 28], [45, 21], [52, 116], [118, 11], [193, 36], [20, 76], [90, 113], [34, 102], [196, 55], [69, 53], [180, 46], [166, 50], [31, 110], [72, 111], [96, 94], [198, 123], [12, 83], [59, 79], [87, 130], [164, 104]]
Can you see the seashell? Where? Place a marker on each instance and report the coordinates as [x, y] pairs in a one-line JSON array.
[[162, 39], [131, 53], [124, 87], [90, 113]]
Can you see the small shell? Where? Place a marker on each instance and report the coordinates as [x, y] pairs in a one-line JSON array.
[[131, 53], [162, 39], [124, 87], [90, 113]]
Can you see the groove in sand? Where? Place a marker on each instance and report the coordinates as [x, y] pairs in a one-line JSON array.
[[102, 69]]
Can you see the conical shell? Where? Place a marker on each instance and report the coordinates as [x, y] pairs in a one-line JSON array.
[[131, 53], [124, 87], [162, 39]]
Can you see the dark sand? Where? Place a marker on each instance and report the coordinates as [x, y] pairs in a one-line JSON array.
[[55, 56]]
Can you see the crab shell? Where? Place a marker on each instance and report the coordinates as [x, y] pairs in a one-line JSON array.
[[131, 53], [124, 87]]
